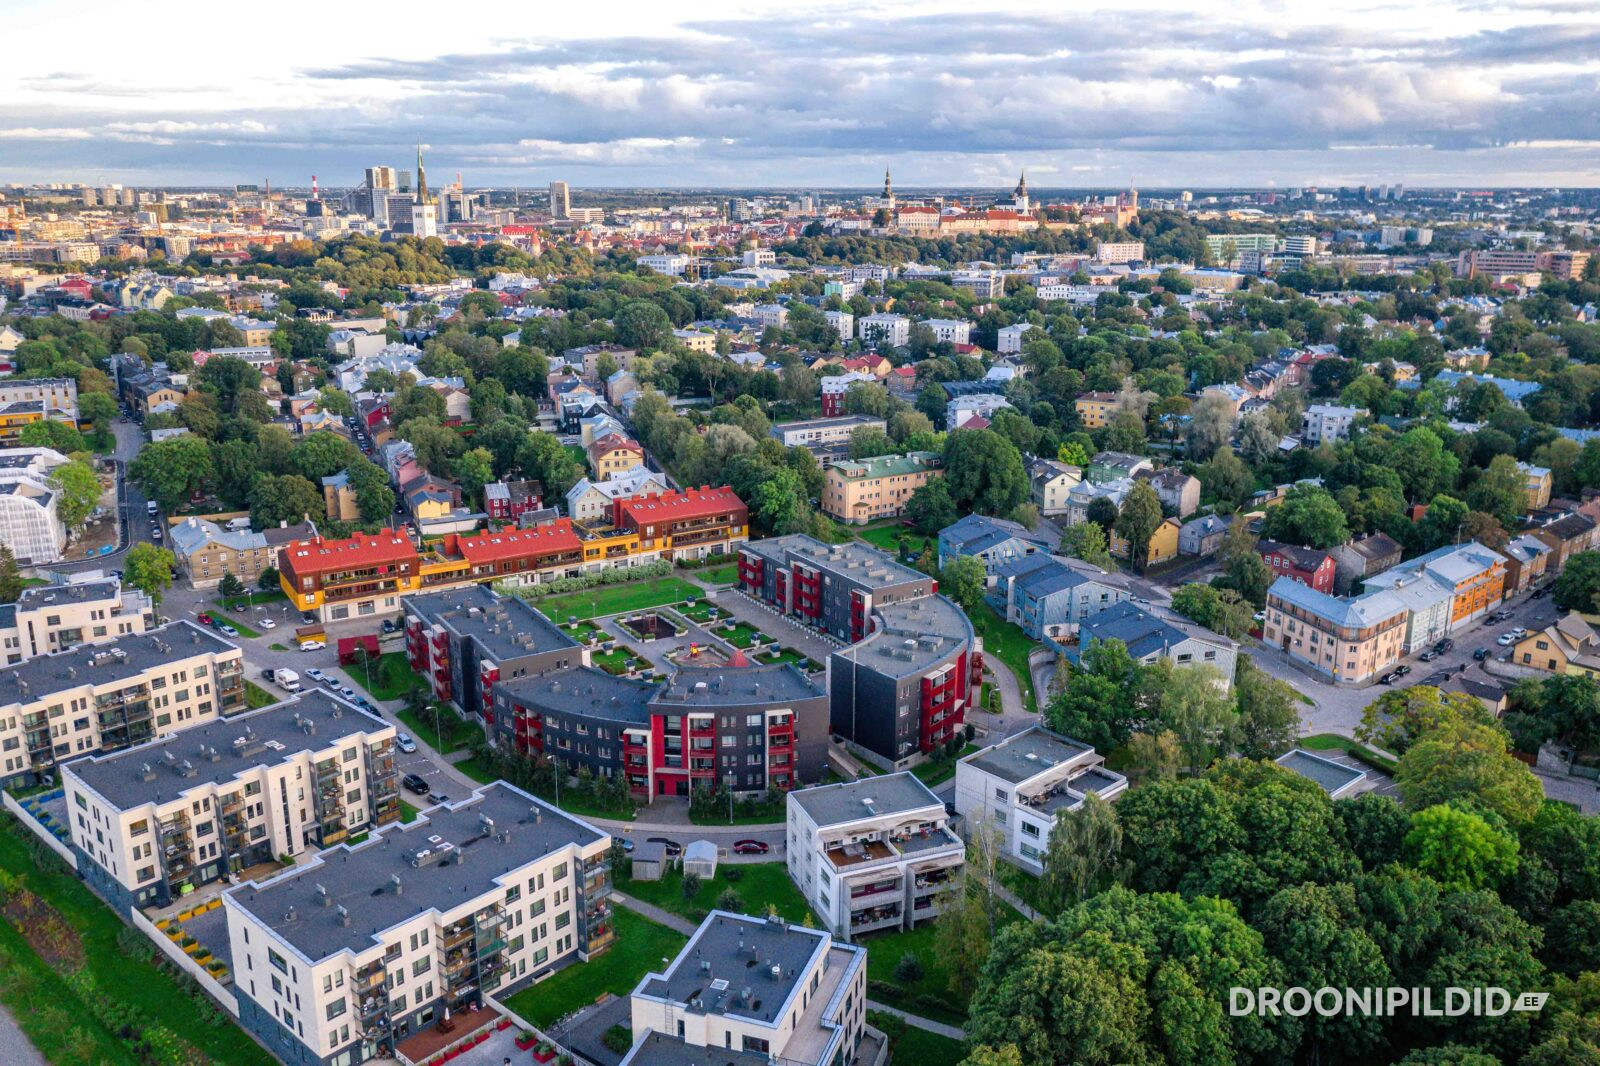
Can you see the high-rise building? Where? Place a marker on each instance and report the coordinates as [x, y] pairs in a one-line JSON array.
[[381, 178], [405, 181], [560, 200], [379, 183]]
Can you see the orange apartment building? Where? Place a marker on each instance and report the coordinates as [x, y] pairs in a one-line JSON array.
[[1096, 409], [858, 492]]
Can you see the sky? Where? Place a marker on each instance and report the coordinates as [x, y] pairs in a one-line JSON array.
[[1153, 93]]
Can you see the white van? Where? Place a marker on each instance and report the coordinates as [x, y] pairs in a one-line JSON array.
[[287, 680], [150, 507], [238, 525]]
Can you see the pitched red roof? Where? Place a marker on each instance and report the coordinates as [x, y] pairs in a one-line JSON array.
[[317, 555], [492, 547], [677, 506]]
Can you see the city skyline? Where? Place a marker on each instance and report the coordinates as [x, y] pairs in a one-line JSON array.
[[1149, 94]]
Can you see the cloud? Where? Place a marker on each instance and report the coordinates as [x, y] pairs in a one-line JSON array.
[[960, 94]]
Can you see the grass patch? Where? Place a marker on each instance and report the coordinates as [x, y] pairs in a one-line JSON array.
[[1022, 884], [57, 1015], [884, 535], [582, 631], [453, 733], [700, 612], [570, 800], [929, 996], [726, 574], [255, 696], [782, 655], [392, 676], [907, 1043], [278, 647], [743, 635], [1353, 748], [408, 813], [614, 661], [639, 948], [758, 884], [1006, 642], [244, 629], [938, 771], [617, 599]]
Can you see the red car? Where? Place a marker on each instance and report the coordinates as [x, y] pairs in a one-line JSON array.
[[204, 619], [751, 847]]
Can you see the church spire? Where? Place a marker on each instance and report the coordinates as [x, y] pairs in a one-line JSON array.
[[888, 189], [1022, 184], [422, 179]]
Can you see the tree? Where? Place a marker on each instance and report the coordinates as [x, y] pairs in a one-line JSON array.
[[1140, 517], [231, 585], [473, 470], [1374, 826], [1269, 716], [1578, 587], [1225, 477], [983, 472], [1249, 575], [1211, 423], [1485, 529], [170, 471], [283, 498], [930, 507], [52, 434], [1154, 756], [1469, 763], [1084, 855], [1193, 704], [268, 579], [99, 408], [148, 569], [869, 441], [642, 325], [1425, 467], [1308, 515], [78, 490], [10, 576], [322, 454], [1442, 524], [1102, 511], [1220, 609], [970, 911], [1087, 541], [962, 579], [1459, 849], [1098, 703], [1499, 491], [1400, 717]]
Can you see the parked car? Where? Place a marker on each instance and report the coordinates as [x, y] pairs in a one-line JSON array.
[[404, 742], [1506, 639], [438, 797], [389, 626], [1428, 656], [269, 674], [1390, 678], [267, 623], [309, 619], [415, 783], [1481, 654], [1519, 632], [331, 681], [1401, 671], [226, 630], [751, 847], [674, 849], [312, 645], [625, 843], [1444, 645], [347, 692], [203, 618], [315, 674]]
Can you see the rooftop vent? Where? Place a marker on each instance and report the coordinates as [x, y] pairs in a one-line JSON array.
[[344, 916]]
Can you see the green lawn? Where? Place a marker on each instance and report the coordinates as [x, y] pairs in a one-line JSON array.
[[782, 655], [579, 456], [392, 676], [742, 635], [408, 813], [1023, 884], [941, 770], [256, 696], [639, 948], [453, 733], [60, 1017], [617, 599], [725, 574], [885, 535], [244, 629], [1334, 742], [918, 1046], [758, 884], [883, 954], [569, 802], [278, 647], [581, 631], [1006, 642], [614, 661], [700, 612]]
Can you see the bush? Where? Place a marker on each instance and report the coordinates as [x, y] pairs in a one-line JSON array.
[[732, 874], [618, 1038], [730, 900], [134, 944], [619, 576], [908, 970], [691, 885]]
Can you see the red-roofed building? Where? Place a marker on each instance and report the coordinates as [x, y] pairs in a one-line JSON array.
[[358, 576], [510, 553], [1309, 566], [691, 524]]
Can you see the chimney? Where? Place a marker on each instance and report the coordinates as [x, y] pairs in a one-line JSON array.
[[394, 881]]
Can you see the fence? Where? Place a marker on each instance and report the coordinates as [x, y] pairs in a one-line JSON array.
[[168, 947]]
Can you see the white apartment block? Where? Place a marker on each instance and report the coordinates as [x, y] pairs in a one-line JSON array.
[[29, 523], [771, 316], [950, 330], [885, 329], [983, 284], [670, 265], [1327, 422], [51, 618], [872, 854], [843, 323], [869, 272], [1078, 294], [95, 698], [752, 990], [154, 821], [1299, 246], [340, 958], [1020, 785], [758, 257], [1118, 251], [1009, 338]]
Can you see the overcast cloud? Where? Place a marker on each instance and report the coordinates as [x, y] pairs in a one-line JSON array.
[[1151, 92]]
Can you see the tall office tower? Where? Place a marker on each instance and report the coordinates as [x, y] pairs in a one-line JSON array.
[[425, 215], [560, 200], [379, 184], [405, 181]]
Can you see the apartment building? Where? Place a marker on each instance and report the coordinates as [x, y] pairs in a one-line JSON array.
[[1150, 636], [834, 386], [1570, 646], [466, 640], [592, 502], [1359, 559], [1472, 575], [1565, 265], [1348, 640], [24, 402], [155, 821], [338, 959], [207, 552], [742, 726], [1118, 251], [1537, 483], [983, 284], [362, 575], [1008, 339], [1328, 422], [993, 541], [1309, 566], [859, 492], [884, 329], [749, 991], [1050, 483], [950, 330], [872, 854], [1021, 785], [51, 618], [506, 501], [824, 433], [1178, 492], [614, 454], [692, 524], [96, 698], [843, 323], [30, 524], [1050, 596]]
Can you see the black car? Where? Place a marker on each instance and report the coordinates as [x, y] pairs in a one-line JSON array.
[[1444, 645], [269, 674], [674, 849], [1481, 654], [389, 625], [415, 783], [1401, 671], [1428, 656], [1388, 679]]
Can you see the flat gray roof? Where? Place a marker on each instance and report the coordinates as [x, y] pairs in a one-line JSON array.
[[736, 686], [359, 879], [586, 691], [506, 627], [217, 752], [845, 802], [914, 635], [1332, 776], [1028, 754], [658, 1049], [104, 664], [854, 561], [43, 595], [740, 951]]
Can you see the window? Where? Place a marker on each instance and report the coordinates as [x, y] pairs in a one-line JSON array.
[[277, 961], [1029, 828], [336, 1008]]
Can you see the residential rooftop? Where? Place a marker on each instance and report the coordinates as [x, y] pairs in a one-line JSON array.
[[219, 751], [507, 628], [853, 561], [1333, 777], [586, 691], [98, 664], [1028, 754], [731, 954], [888, 466], [873, 797], [345, 897], [716, 686], [912, 635]]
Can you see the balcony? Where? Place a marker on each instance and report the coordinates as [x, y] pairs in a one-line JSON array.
[[369, 978], [451, 940], [860, 853], [874, 919], [372, 1006], [875, 894], [600, 937]]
